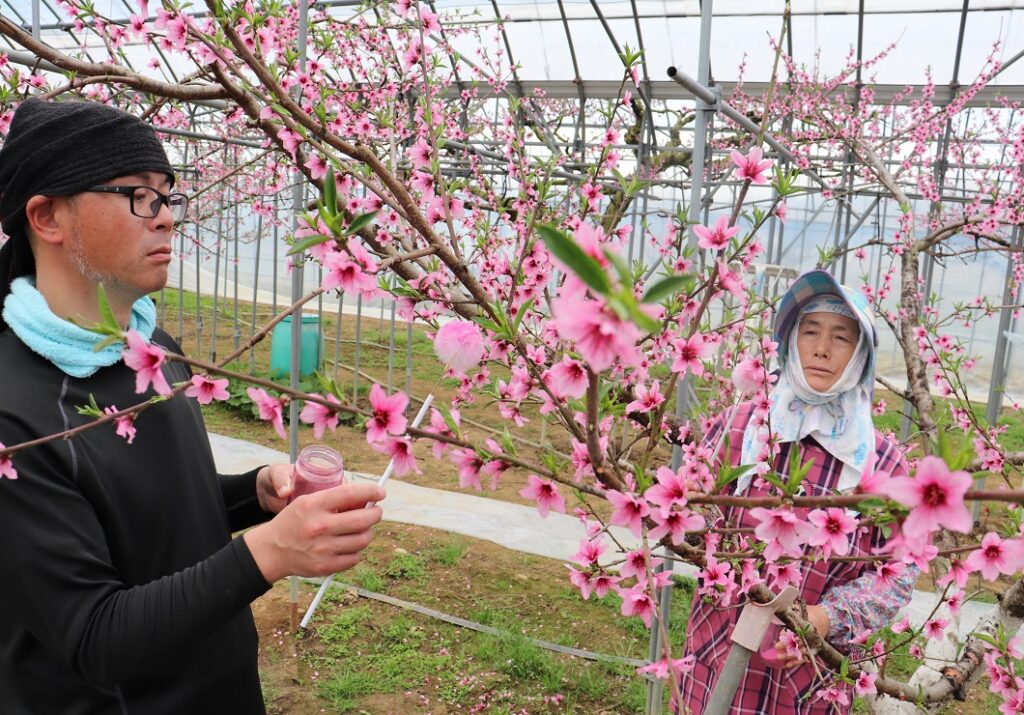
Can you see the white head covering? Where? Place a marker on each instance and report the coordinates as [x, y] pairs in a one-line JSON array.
[[839, 419]]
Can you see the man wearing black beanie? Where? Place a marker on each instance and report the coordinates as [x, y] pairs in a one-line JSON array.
[[125, 591]]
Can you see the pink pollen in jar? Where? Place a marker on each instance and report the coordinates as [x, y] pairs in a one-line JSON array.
[[317, 468]]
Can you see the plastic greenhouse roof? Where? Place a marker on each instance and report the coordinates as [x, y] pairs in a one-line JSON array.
[[824, 34]]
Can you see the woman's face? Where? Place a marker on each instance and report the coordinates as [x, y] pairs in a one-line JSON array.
[[826, 342]]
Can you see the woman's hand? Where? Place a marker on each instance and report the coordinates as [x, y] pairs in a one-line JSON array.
[[791, 652]]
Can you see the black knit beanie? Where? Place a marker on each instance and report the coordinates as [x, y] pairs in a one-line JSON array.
[[62, 148]]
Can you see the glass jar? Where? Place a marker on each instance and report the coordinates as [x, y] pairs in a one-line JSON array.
[[317, 468], [767, 656]]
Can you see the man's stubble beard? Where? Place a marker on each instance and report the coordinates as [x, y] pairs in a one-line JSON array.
[[74, 248], [80, 262]]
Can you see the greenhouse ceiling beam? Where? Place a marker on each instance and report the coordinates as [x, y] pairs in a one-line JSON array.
[[579, 138], [210, 137], [1006, 65], [451, 60], [666, 90], [746, 12], [480, 143], [615, 43], [960, 43], [536, 124], [849, 158], [37, 29], [652, 137], [28, 59], [737, 117]]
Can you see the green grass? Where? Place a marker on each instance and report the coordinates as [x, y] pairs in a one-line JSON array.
[[421, 344], [901, 666], [518, 657], [1012, 439], [402, 654], [390, 661], [367, 650], [368, 578], [344, 626], [450, 553], [406, 567], [225, 309], [488, 616]]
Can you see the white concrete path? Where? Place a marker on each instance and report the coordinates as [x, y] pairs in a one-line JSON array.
[[512, 526]]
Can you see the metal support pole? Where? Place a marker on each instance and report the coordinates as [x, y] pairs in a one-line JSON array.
[[216, 280], [199, 292], [180, 336], [705, 106], [237, 330], [996, 387], [255, 288], [298, 196]]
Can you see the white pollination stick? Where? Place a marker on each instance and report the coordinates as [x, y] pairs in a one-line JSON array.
[[381, 482]]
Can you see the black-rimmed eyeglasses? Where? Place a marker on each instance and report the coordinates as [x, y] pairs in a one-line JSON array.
[[145, 201]]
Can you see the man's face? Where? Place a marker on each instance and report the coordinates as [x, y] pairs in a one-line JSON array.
[[108, 244], [826, 342]]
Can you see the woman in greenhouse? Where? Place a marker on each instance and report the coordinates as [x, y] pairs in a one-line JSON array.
[[821, 405], [124, 591]]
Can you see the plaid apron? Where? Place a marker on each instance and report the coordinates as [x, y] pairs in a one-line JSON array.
[[764, 690]]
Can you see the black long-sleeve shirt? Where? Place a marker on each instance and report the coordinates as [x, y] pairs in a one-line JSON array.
[[123, 589]]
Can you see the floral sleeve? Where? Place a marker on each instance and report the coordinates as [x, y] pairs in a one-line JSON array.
[[857, 606]]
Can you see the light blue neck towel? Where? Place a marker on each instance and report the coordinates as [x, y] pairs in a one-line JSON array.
[[66, 345]]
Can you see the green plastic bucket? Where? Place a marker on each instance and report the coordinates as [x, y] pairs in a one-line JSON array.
[[311, 348]]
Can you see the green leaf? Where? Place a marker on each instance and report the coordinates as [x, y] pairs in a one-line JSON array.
[[945, 449], [523, 309], [330, 191], [309, 242], [619, 305], [327, 384], [359, 223], [797, 471], [107, 315], [727, 475], [550, 461], [773, 478], [331, 219], [625, 275], [487, 324], [988, 639], [90, 410], [871, 503], [824, 255], [643, 480], [568, 252], [785, 182], [506, 443], [448, 419], [107, 341], [504, 323], [666, 287], [962, 458], [641, 318]]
